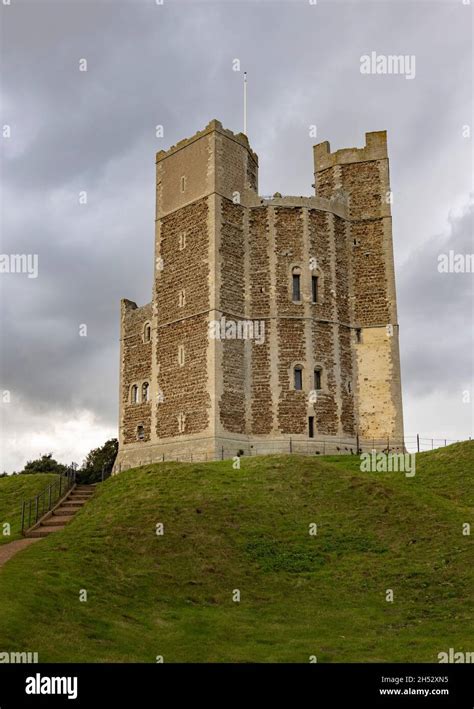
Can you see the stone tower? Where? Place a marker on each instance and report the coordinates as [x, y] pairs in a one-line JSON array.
[[273, 322]]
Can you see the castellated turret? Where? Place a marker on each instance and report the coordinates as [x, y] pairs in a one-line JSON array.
[[273, 322]]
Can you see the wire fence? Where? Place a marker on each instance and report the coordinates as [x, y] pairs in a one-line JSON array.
[[324, 446]]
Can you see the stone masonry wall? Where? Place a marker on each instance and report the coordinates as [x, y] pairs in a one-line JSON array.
[[231, 258], [183, 387], [368, 265], [136, 369], [292, 404], [326, 413], [261, 415]]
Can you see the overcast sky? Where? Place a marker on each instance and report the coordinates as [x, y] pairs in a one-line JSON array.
[[172, 65]]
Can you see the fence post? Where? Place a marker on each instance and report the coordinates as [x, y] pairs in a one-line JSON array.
[[23, 516], [36, 509], [418, 442], [222, 453], [291, 445], [357, 443]]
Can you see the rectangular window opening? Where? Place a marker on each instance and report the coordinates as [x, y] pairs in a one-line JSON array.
[[298, 379], [317, 379], [296, 287]]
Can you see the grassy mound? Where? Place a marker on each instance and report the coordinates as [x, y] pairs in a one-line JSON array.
[[247, 530], [13, 490]]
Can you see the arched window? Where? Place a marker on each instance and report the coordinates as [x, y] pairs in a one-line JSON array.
[[317, 378], [145, 391], [147, 332], [134, 394], [298, 377]]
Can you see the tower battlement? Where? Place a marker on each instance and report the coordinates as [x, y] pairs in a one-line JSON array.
[[212, 126], [375, 149]]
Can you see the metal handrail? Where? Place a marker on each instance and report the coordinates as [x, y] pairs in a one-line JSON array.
[[36, 507]]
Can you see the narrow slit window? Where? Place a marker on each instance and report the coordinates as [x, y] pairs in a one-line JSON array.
[[311, 426], [145, 391], [134, 394], [140, 433], [147, 333], [183, 183], [296, 287], [314, 288], [298, 378], [317, 379]]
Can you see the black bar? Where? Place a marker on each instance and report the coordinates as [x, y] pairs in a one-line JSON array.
[[329, 685]]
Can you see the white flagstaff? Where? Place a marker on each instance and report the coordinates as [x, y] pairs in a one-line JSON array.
[[245, 103]]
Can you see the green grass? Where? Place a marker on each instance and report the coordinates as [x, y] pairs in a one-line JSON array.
[[13, 490], [248, 529]]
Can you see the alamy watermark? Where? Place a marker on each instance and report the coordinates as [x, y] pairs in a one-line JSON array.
[[17, 658], [225, 329], [402, 64], [374, 462], [456, 657], [455, 263], [19, 263]]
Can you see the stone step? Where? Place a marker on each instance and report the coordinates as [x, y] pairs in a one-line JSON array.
[[44, 531], [56, 521], [61, 512]]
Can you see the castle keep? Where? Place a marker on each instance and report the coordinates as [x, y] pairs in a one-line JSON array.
[[273, 322]]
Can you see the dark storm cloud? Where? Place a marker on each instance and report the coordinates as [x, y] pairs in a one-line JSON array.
[[435, 308], [172, 65]]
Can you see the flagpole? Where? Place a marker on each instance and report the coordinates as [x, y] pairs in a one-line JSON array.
[[245, 103]]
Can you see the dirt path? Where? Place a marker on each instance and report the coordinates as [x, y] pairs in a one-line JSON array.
[[9, 550]]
